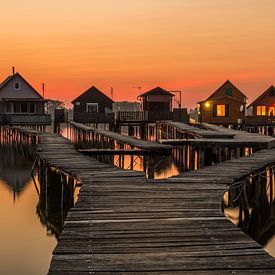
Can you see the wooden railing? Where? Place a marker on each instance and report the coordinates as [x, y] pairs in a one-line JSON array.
[[260, 120], [131, 116], [25, 119], [142, 116], [93, 117]]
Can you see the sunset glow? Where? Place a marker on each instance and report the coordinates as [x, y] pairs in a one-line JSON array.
[[187, 45]]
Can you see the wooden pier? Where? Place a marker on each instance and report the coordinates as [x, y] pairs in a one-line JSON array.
[[103, 138], [205, 135], [124, 223]]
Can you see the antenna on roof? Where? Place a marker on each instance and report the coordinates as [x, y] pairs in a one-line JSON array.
[[43, 89], [13, 70], [112, 92], [139, 88]]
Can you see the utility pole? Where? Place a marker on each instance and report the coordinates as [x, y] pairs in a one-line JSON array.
[[43, 90], [179, 91], [139, 88], [112, 92]]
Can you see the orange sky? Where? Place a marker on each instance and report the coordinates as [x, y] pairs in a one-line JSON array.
[[188, 45]]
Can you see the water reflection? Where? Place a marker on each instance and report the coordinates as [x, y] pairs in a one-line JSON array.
[[57, 194], [30, 219], [25, 248], [251, 206]]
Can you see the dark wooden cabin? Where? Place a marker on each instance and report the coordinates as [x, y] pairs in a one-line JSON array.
[[156, 100], [226, 106], [20, 103], [92, 106], [262, 119], [264, 105]]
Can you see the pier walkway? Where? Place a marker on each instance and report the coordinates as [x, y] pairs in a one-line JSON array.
[[124, 223], [133, 142], [206, 135]]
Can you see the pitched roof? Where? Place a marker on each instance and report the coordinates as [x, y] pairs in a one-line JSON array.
[[225, 83], [9, 78], [92, 90], [222, 97], [157, 91], [262, 95]]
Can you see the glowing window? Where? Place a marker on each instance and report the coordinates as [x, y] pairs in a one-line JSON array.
[[271, 111], [261, 110], [220, 110]]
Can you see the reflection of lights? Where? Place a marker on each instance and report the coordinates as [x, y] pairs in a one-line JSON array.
[[207, 104], [219, 112]]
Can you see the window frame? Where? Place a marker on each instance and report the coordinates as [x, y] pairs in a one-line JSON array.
[[91, 104], [261, 110], [19, 86]]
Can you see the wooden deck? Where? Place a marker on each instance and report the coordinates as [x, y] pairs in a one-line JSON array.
[[212, 135], [195, 131], [124, 223], [132, 141]]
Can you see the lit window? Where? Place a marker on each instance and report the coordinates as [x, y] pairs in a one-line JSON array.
[[16, 86], [271, 111], [92, 107], [220, 110], [261, 110]]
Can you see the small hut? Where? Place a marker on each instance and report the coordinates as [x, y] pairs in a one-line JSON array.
[[20, 103], [264, 104], [226, 106], [92, 106], [156, 100]]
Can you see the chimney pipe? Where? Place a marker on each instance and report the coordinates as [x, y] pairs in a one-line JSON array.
[[13, 70]]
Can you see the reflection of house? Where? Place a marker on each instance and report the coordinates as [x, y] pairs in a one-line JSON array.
[[264, 105], [20, 103], [92, 106], [14, 169], [226, 106]]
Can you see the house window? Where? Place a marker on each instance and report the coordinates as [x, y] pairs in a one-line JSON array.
[[220, 110], [8, 107], [16, 108], [261, 110], [24, 107], [228, 91], [92, 107], [271, 111], [16, 86], [32, 108]]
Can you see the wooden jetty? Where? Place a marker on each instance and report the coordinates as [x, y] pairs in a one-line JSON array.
[[123, 223], [103, 138], [192, 131], [205, 135]]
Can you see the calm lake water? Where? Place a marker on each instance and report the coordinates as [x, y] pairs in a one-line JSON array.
[[252, 208], [30, 221]]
